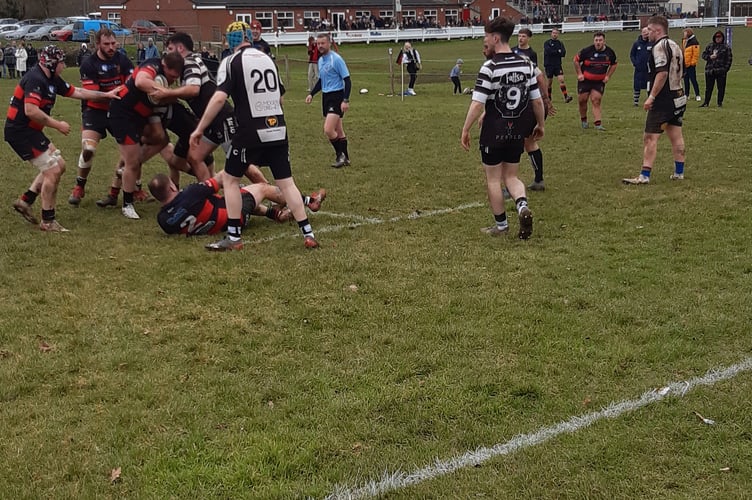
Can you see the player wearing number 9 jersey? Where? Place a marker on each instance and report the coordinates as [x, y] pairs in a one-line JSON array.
[[250, 77], [507, 90]]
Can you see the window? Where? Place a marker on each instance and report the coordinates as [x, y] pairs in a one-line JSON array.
[[265, 18], [311, 19], [285, 19], [362, 13], [246, 18], [429, 13], [386, 14], [452, 17], [114, 17], [312, 14], [408, 14]]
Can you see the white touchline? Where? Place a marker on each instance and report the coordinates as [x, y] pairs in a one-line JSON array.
[[390, 481], [368, 221]]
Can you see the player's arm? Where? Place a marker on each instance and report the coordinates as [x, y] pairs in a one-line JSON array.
[[186, 92], [473, 113], [94, 95], [316, 88], [660, 80], [577, 68], [35, 114], [611, 70], [215, 105]]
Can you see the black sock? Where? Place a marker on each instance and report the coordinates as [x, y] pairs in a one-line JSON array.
[[127, 198], [335, 145], [29, 197], [80, 181], [48, 215], [343, 141], [520, 202], [536, 158]]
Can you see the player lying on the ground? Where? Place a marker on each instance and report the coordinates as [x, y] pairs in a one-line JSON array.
[[199, 209]]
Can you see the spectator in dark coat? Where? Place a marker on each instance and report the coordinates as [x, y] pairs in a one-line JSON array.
[[10, 59], [718, 59], [639, 55], [83, 53]]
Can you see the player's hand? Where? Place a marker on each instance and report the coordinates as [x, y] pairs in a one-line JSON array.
[[605, 79], [344, 107], [160, 94], [113, 94], [550, 108], [63, 127], [538, 133], [465, 140], [195, 139], [580, 78], [309, 99], [648, 105]]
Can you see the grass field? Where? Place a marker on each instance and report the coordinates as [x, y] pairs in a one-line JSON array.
[[409, 337]]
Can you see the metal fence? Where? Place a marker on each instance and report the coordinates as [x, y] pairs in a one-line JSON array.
[[459, 33]]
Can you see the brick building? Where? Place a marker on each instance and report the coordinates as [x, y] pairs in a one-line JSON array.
[[207, 19]]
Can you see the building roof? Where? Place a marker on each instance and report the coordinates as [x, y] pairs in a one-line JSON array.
[[323, 4]]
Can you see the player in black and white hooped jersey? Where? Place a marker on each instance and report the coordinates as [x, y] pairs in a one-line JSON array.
[[250, 77], [507, 90], [197, 90]]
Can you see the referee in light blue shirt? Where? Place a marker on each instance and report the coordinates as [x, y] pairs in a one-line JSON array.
[[334, 82]]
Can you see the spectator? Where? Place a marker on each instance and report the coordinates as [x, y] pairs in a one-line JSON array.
[[140, 53], [205, 54], [10, 59], [718, 59], [313, 63], [411, 58], [691, 57], [32, 53], [82, 54], [454, 75], [3, 66], [639, 56], [21, 58], [151, 50], [225, 51]]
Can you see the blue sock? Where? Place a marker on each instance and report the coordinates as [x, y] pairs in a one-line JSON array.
[[645, 171], [679, 167]]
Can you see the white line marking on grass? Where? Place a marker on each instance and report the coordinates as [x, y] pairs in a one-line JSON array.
[[369, 221], [390, 481]]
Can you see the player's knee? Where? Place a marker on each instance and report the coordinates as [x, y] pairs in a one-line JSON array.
[[88, 150]]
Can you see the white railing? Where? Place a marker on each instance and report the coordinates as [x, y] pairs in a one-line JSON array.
[[456, 33]]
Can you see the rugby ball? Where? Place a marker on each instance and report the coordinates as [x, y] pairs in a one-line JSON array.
[[363, 91], [159, 81]]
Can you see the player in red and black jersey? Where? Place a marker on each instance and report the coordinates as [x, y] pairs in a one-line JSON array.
[[28, 114], [105, 69], [129, 116], [594, 66], [199, 209]]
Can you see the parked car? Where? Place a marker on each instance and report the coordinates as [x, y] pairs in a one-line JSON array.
[[63, 34], [59, 21], [82, 29], [151, 27], [7, 28], [29, 21], [21, 32], [8, 20], [43, 33]]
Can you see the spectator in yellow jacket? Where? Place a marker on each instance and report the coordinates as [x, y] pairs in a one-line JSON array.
[[691, 57]]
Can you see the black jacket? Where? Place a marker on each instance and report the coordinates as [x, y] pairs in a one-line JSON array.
[[722, 63]]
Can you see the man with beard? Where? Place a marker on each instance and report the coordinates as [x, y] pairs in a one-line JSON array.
[[104, 70]]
